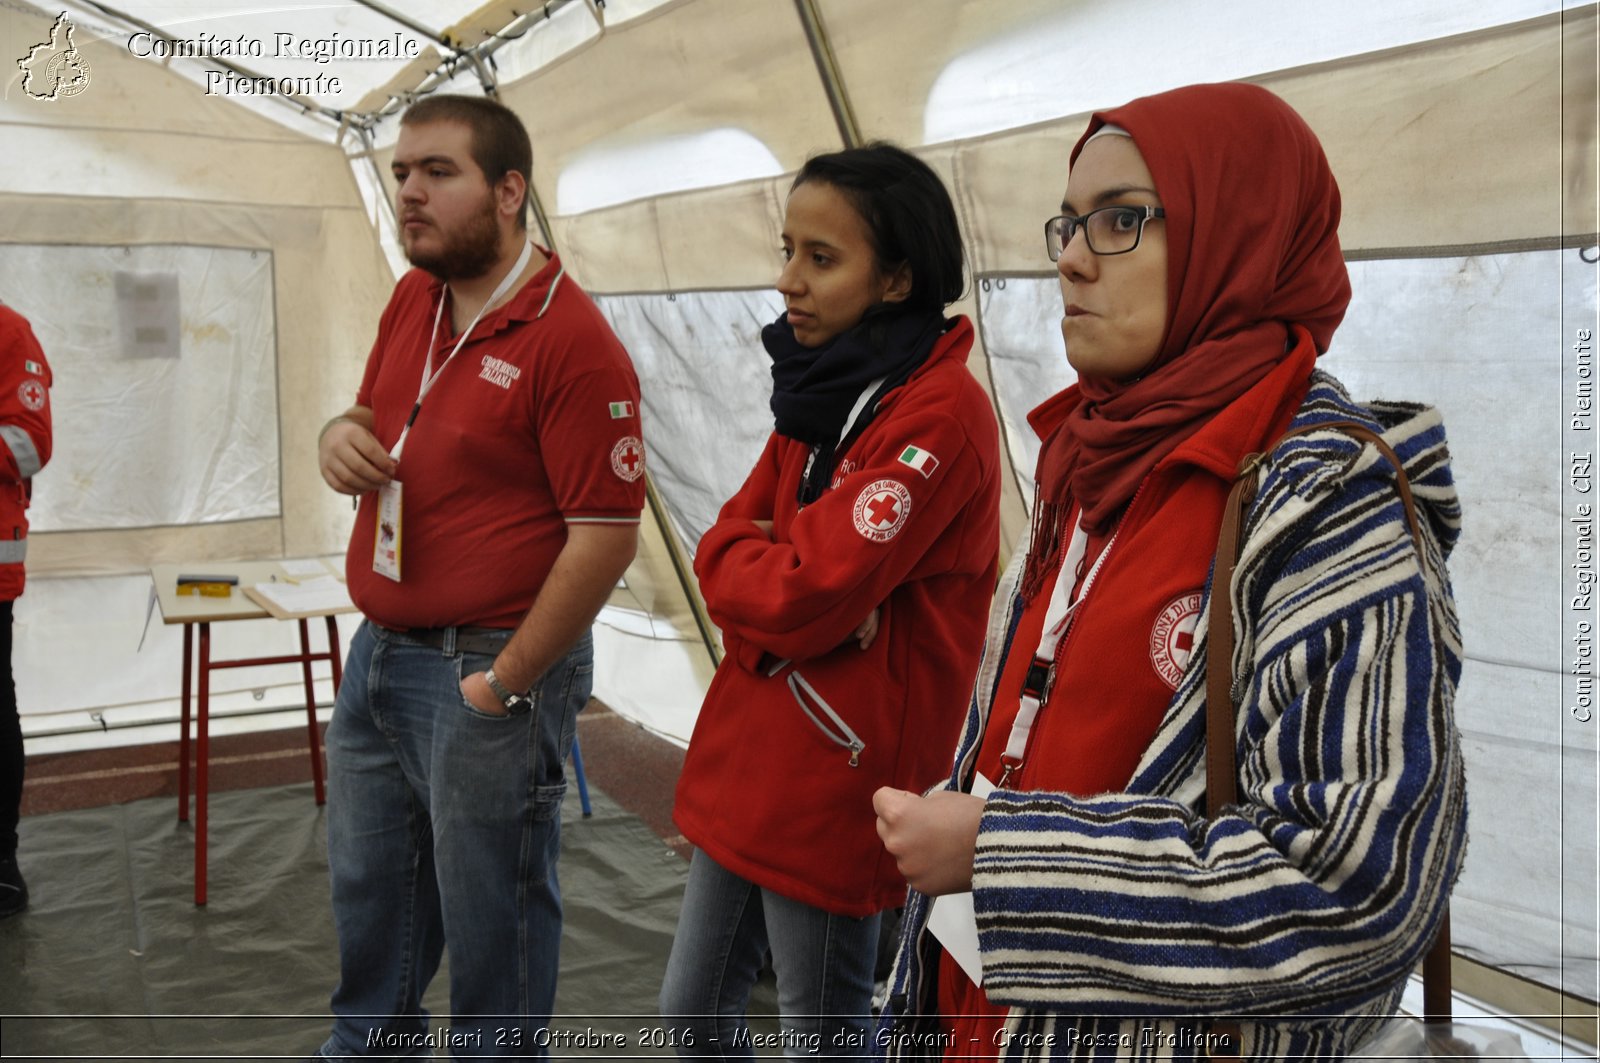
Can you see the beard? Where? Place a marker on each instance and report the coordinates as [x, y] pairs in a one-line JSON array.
[[467, 252]]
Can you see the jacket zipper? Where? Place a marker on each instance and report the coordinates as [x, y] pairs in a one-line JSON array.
[[845, 737], [849, 739]]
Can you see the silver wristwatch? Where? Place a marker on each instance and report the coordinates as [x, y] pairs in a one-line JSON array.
[[509, 699]]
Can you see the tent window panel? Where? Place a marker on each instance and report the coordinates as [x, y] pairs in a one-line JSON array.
[[705, 379], [604, 175], [1480, 337], [1488, 340], [180, 431], [1090, 55], [1021, 319], [375, 193]]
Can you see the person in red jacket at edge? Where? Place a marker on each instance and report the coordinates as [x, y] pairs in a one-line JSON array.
[[24, 448], [850, 576]]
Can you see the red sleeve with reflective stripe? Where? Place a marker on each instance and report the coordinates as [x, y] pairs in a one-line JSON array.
[[24, 400]]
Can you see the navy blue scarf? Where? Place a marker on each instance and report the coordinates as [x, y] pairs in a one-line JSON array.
[[815, 388]]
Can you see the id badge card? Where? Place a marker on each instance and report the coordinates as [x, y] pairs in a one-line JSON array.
[[386, 540], [953, 920]]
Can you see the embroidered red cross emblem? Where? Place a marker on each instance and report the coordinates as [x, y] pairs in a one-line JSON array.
[[1172, 637], [627, 458], [882, 510]]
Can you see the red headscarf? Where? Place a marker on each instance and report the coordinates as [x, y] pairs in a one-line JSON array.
[[1252, 245]]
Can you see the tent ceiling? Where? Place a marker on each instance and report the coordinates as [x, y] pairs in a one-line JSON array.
[[971, 70], [652, 112]]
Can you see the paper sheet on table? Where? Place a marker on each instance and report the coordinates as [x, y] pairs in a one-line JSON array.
[[311, 596], [298, 567], [954, 921]]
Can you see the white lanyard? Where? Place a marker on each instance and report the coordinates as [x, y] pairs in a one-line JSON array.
[[855, 411], [429, 373], [849, 423], [1057, 619]]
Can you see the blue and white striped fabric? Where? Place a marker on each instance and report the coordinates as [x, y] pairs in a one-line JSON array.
[[1115, 925]]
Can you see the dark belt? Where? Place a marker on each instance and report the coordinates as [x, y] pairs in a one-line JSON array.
[[466, 640]]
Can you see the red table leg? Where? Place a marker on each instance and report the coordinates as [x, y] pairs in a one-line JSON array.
[[183, 731], [202, 764], [202, 753], [311, 713]]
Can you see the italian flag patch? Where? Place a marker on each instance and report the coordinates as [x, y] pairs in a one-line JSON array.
[[620, 410], [919, 460], [32, 368]]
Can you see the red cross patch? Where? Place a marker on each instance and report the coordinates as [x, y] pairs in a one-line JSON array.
[[881, 510], [627, 458], [1172, 637], [32, 394]]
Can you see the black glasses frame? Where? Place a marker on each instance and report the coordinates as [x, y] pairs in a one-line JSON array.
[[1068, 225]]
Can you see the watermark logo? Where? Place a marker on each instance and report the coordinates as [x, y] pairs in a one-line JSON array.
[[55, 69]]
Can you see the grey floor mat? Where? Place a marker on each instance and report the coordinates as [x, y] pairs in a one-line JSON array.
[[113, 961]]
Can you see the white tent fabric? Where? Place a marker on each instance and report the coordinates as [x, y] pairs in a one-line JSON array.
[[1464, 138], [208, 419]]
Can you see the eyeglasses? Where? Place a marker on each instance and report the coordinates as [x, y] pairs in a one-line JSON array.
[[1109, 230]]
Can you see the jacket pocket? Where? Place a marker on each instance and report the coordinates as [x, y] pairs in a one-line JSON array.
[[822, 715]]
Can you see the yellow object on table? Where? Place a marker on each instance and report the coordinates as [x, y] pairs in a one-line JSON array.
[[207, 585], [208, 590]]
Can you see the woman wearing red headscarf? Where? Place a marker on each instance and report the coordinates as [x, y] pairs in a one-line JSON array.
[[1088, 906]]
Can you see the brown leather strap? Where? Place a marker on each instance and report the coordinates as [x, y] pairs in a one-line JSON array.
[[1401, 483], [1222, 780]]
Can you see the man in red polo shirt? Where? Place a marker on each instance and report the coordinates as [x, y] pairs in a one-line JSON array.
[[24, 448], [495, 448]]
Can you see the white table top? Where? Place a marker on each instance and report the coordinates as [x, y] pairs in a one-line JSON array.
[[197, 608]]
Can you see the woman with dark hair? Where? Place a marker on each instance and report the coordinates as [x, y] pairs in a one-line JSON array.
[[1108, 913], [850, 576]]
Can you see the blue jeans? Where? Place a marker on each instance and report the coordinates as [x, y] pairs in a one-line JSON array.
[[444, 824], [824, 963]]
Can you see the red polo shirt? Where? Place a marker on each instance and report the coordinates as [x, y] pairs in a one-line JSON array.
[[534, 425]]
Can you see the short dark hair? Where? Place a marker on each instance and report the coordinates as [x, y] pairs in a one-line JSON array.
[[500, 141], [908, 212]]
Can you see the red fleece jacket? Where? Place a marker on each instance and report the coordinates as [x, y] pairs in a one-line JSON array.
[[772, 787], [24, 440]]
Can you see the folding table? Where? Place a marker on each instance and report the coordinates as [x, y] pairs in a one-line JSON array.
[[201, 611]]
